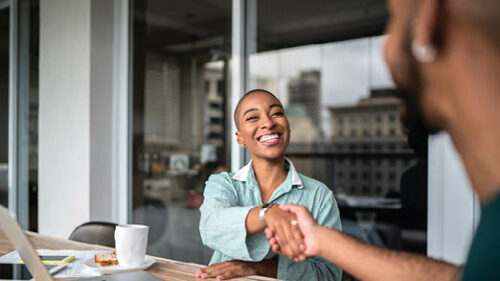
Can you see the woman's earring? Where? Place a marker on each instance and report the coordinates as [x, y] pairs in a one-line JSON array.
[[243, 146], [424, 53]]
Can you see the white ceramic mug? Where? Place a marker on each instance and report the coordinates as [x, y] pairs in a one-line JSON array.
[[131, 241]]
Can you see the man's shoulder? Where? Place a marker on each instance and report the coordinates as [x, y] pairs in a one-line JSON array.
[[483, 262]]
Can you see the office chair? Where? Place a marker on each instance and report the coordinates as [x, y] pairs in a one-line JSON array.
[[95, 232]]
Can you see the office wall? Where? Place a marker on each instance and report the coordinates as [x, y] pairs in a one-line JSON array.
[[75, 127], [64, 120]]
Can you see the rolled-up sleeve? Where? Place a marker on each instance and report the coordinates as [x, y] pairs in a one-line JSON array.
[[312, 269], [326, 213], [223, 222]]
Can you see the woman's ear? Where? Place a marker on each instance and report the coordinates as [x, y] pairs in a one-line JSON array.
[[239, 139]]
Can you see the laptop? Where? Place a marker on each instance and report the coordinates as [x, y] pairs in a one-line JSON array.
[[35, 266]]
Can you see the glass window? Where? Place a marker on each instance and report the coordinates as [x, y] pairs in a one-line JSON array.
[[334, 50], [181, 125], [366, 146], [34, 43], [28, 45], [4, 104], [392, 117]]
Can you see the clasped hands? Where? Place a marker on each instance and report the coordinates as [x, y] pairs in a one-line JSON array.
[[290, 232]]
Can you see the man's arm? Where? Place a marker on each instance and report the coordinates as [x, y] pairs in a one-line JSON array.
[[369, 262], [364, 261]]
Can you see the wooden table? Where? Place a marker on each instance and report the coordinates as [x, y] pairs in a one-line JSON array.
[[164, 269]]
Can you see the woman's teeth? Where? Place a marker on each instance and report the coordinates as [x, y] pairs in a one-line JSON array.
[[269, 137]]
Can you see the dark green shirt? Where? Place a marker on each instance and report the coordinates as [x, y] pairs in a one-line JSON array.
[[483, 262]]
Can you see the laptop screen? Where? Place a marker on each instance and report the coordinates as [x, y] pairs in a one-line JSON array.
[[10, 271]]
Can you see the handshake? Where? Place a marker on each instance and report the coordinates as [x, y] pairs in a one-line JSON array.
[[291, 231]]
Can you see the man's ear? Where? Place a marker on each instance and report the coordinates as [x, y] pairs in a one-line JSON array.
[[426, 22]]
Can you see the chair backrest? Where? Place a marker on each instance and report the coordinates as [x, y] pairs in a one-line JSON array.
[[95, 232]]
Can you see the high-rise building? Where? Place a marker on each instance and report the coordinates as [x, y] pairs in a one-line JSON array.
[[371, 145], [305, 90]]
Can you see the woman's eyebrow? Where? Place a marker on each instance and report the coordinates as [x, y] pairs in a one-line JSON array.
[[249, 110], [256, 109]]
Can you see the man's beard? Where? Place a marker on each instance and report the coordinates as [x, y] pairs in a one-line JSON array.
[[409, 89]]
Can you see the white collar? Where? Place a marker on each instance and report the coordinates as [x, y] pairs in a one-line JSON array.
[[242, 174]]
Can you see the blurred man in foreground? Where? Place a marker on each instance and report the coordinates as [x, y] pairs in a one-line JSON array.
[[445, 56]]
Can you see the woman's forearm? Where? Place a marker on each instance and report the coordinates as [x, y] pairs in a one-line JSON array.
[[253, 223], [268, 268]]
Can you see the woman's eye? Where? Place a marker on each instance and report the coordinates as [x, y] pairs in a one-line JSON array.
[[278, 113], [250, 118]]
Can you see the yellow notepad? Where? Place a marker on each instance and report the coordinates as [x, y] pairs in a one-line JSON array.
[[55, 258]]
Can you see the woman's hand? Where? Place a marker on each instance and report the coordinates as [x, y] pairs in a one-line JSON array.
[[230, 269], [286, 231], [308, 228]]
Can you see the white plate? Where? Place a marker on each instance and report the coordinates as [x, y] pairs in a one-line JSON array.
[[90, 264]]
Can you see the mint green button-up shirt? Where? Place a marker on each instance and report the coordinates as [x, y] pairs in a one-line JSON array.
[[230, 196]]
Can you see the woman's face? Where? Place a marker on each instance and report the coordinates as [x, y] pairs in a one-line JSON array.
[[263, 126]]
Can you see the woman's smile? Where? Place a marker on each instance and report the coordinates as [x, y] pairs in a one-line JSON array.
[[269, 139]]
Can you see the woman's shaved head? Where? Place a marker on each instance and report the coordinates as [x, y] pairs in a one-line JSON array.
[[254, 91]]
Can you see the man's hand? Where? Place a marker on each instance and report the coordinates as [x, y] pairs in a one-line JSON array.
[[286, 231], [227, 270], [306, 225]]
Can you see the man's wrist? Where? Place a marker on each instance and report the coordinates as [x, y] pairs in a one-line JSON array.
[[319, 234]]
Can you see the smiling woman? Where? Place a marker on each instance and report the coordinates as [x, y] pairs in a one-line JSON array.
[[262, 125], [239, 206]]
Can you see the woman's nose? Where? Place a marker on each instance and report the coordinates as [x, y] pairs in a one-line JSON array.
[[267, 122]]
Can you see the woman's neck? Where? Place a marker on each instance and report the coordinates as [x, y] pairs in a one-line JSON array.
[[269, 175]]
